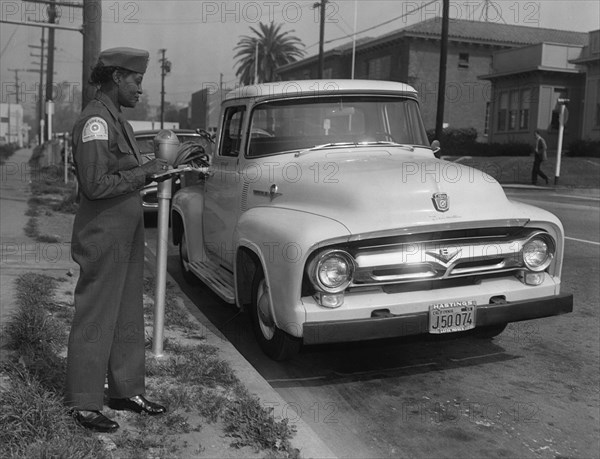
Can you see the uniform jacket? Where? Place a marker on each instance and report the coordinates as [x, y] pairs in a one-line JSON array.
[[107, 162]]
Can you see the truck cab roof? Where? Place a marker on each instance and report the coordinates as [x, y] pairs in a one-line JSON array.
[[303, 88]]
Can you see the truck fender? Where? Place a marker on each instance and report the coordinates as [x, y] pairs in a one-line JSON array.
[[186, 216], [281, 241]]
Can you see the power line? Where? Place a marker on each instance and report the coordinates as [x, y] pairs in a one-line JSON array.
[[9, 40], [376, 25]]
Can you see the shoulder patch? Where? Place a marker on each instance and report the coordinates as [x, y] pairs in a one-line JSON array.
[[95, 129]]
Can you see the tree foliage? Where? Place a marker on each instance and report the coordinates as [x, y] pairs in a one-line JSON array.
[[275, 48]]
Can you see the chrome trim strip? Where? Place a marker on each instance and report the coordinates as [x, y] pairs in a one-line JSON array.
[[411, 230]]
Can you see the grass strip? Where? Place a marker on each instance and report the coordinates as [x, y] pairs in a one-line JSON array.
[[191, 379], [34, 422]]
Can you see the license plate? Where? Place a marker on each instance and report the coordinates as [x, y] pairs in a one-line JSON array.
[[451, 317]]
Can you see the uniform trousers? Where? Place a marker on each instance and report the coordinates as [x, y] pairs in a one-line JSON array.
[[107, 333]]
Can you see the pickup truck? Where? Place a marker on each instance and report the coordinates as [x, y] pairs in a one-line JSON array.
[[326, 215]]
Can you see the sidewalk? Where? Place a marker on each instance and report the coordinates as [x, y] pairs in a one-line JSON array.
[[21, 254]]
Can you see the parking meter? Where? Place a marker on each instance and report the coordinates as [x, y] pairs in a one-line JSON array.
[[166, 146]]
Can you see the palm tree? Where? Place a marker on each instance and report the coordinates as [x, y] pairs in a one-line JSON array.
[[273, 47]]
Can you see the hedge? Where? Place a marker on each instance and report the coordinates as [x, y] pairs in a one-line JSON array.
[[590, 148], [463, 142], [6, 151]]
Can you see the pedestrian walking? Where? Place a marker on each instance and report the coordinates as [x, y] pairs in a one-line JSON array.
[[106, 341], [540, 155]]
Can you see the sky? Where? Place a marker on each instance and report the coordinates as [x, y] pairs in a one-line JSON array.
[[199, 36]]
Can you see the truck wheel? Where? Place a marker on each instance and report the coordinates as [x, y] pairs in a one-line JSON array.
[[489, 331], [274, 342], [188, 276]]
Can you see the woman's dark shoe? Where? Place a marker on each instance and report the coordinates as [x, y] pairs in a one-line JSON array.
[[137, 404], [95, 420]]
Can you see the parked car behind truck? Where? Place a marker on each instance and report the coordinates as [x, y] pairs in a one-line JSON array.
[[327, 216], [145, 141]]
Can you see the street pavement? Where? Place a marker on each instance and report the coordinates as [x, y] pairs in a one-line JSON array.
[[20, 254]]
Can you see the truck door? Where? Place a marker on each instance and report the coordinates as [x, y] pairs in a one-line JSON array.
[[223, 188]]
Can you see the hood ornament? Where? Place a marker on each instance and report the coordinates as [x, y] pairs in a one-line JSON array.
[[445, 255], [441, 202]]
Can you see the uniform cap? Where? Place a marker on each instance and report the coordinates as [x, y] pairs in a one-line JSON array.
[[135, 60]]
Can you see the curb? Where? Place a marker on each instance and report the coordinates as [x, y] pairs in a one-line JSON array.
[[305, 439]]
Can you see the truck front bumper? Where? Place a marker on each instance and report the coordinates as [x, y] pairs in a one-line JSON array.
[[391, 326]]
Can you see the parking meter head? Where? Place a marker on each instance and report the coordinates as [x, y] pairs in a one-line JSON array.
[[166, 146]]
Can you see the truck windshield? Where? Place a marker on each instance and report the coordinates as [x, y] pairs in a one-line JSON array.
[[298, 124]]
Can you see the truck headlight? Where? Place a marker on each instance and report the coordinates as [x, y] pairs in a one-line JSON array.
[[332, 271], [538, 252]]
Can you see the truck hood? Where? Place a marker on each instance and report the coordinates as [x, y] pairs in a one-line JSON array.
[[370, 190]]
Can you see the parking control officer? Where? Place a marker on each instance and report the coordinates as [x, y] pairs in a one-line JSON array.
[[107, 334]]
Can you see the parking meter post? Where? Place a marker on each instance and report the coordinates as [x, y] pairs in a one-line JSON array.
[[166, 145], [562, 120], [65, 149], [164, 198]]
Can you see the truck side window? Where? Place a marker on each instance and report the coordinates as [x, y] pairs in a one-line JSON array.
[[232, 131]]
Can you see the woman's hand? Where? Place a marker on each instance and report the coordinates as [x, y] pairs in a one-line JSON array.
[[154, 166]]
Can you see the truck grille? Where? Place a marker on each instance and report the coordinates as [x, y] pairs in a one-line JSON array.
[[440, 256]]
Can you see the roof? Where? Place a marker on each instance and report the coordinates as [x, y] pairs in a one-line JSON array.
[[493, 33], [590, 54], [319, 87], [490, 33]]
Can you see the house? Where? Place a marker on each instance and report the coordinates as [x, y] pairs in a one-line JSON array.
[[12, 128], [589, 62], [528, 84], [411, 55]]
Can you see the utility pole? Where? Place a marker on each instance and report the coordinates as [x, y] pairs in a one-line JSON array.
[[92, 34], [439, 121], [19, 133], [255, 61], [50, 69], [41, 120], [165, 66], [321, 5], [51, 25], [16, 82]]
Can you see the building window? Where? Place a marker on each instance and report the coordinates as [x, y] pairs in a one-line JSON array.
[[502, 111], [597, 117], [486, 122], [328, 73], [513, 112], [379, 68], [463, 60], [524, 109]]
